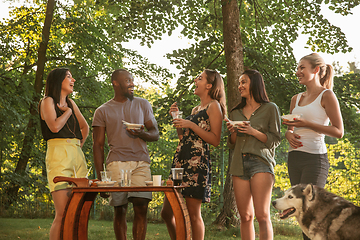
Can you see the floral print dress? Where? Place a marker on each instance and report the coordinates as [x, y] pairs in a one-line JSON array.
[[193, 155]]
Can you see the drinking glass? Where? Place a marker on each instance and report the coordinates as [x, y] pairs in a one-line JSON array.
[[105, 176], [125, 177], [177, 175]]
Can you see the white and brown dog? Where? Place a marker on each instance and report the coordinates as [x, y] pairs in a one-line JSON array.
[[321, 215]]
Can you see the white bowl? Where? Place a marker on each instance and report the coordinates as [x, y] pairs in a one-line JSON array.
[[239, 123], [133, 126], [105, 184], [290, 117], [149, 183]]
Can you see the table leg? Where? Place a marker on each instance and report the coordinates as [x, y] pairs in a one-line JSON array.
[[69, 224], [182, 219], [84, 215], [76, 216]]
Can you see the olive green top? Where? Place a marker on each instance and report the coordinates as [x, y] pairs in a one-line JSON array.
[[265, 119]]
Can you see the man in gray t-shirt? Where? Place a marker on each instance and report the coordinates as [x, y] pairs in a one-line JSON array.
[[128, 149]]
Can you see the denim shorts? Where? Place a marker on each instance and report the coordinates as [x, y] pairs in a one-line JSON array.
[[253, 165]]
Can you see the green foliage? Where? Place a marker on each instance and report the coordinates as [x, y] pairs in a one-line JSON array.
[[347, 89], [344, 179], [268, 28], [81, 39]]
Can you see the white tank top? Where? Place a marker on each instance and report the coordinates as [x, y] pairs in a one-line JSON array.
[[313, 142]]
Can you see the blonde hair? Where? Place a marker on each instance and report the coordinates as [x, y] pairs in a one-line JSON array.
[[326, 71]]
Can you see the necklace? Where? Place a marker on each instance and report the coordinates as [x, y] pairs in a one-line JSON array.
[[67, 123]]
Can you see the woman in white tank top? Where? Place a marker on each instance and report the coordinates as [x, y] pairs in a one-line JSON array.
[[318, 105]]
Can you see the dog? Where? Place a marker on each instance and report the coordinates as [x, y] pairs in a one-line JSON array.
[[321, 215]]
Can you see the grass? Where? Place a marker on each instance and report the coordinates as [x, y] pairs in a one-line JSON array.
[[38, 229]]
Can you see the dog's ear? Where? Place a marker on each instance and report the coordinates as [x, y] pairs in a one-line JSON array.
[[309, 192]]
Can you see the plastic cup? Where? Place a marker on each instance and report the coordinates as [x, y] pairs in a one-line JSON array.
[[125, 177], [176, 114], [105, 176], [156, 180]]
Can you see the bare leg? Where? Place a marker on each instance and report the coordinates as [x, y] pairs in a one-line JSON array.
[[168, 216], [60, 199], [245, 207], [261, 187], [120, 226], [140, 221], [197, 223]]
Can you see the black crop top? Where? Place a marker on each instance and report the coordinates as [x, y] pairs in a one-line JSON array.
[[68, 131]]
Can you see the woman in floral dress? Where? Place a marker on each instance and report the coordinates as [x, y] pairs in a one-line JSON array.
[[196, 132]]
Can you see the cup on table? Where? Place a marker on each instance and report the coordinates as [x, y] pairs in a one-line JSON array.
[[177, 175], [125, 177], [105, 176], [176, 114], [156, 180]]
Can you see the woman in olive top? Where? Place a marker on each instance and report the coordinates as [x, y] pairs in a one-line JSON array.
[[254, 143]]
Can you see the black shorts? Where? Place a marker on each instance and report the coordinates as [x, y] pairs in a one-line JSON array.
[[308, 168]]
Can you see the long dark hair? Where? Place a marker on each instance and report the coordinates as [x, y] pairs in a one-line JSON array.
[[53, 85], [217, 90], [257, 89]]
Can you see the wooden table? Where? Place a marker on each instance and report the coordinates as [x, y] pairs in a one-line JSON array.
[[76, 216]]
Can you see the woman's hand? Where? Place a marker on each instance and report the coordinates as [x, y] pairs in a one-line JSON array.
[[229, 126], [182, 123], [298, 122], [64, 109], [246, 128], [293, 139], [173, 108]]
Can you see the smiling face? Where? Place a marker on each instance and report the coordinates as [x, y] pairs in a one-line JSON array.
[[201, 85], [124, 82], [244, 86], [67, 85], [305, 72]]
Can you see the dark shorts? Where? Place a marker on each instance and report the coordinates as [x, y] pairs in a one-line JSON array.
[[253, 165], [308, 168]]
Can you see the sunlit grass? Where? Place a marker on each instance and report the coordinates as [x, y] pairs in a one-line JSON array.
[[38, 229]]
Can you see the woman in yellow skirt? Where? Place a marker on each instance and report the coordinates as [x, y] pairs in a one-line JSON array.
[[65, 130]]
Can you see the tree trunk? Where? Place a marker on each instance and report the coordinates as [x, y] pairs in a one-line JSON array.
[[25, 155], [229, 215]]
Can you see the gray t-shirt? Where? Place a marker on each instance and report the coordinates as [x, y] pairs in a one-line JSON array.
[[124, 146]]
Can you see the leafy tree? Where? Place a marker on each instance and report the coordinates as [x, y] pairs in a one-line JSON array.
[[347, 89], [83, 36], [267, 29]]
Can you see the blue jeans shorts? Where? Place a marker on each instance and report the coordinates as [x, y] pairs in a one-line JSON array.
[[253, 165]]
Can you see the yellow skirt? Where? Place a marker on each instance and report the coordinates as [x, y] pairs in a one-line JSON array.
[[64, 157]]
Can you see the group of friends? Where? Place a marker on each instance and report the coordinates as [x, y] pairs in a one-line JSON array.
[[253, 160]]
